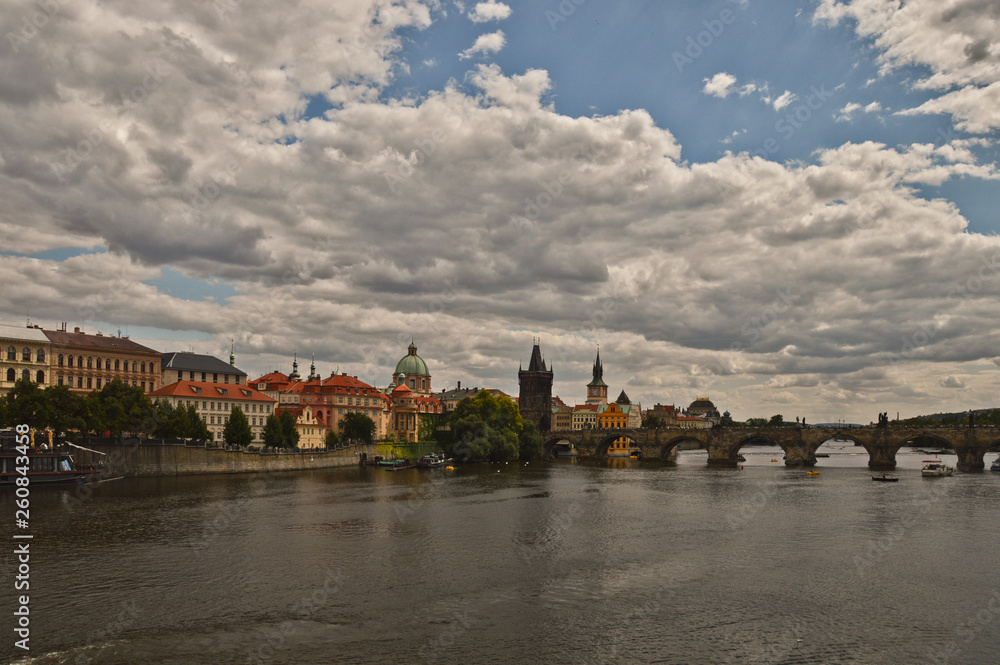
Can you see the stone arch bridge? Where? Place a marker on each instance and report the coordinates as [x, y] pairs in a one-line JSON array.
[[799, 443]]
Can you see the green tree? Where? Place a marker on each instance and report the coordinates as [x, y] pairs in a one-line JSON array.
[[67, 410], [179, 424], [357, 428], [756, 422], [26, 405], [776, 421], [271, 434], [125, 408], [237, 430], [197, 429], [331, 439], [163, 415], [530, 441], [485, 427], [427, 426], [289, 434], [92, 413], [652, 421]]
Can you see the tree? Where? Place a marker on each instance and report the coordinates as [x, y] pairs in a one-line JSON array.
[[776, 421], [125, 408], [427, 427], [485, 427], [331, 439], [197, 429], [652, 421], [286, 427], [67, 410], [357, 428], [237, 430], [163, 415], [26, 405], [756, 422], [726, 420], [271, 434], [530, 441]]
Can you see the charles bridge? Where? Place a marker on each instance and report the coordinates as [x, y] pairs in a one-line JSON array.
[[799, 442]]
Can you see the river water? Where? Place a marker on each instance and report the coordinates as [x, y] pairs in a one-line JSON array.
[[565, 562]]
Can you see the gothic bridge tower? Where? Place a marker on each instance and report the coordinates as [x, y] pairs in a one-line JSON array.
[[535, 396]]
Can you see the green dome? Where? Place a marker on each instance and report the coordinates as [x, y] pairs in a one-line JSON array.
[[412, 364]]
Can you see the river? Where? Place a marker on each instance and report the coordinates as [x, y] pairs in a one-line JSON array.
[[563, 562]]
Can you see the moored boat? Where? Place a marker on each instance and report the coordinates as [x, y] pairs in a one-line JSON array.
[[935, 468], [45, 467], [395, 464], [996, 464], [886, 478], [431, 460]]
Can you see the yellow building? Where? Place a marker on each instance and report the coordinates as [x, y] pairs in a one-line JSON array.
[[89, 362], [620, 413], [24, 354]]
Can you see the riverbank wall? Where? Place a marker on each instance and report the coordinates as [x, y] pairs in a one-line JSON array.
[[154, 458]]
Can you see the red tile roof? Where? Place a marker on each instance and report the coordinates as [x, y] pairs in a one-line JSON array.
[[208, 390], [100, 342]]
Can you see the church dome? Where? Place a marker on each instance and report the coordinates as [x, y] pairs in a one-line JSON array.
[[411, 363]]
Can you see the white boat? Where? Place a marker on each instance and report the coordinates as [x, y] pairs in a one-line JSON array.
[[996, 464], [934, 468]]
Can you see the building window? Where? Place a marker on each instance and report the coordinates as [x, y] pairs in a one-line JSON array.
[[215, 378], [204, 405], [152, 367], [40, 356], [71, 361], [79, 361], [40, 377], [61, 360], [98, 363], [212, 419], [60, 379], [90, 363], [11, 375], [90, 382], [117, 366], [79, 382], [11, 353], [143, 366], [26, 375], [133, 369], [225, 378], [26, 355], [203, 376], [151, 386]]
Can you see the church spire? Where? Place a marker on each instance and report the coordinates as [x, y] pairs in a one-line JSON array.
[[295, 366], [232, 352]]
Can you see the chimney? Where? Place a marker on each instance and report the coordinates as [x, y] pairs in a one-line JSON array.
[[459, 385]]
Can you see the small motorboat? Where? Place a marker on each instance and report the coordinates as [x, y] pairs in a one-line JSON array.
[[996, 464], [812, 473], [431, 460], [935, 468], [886, 478]]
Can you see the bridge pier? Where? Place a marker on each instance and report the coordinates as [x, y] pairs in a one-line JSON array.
[[882, 458], [800, 456], [970, 459], [722, 457]]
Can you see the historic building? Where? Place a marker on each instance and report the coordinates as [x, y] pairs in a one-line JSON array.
[[179, 366], [535, 391], [585, 416], [89, 362], [620, 413], [704, 408], [330, 400], [215, 401], [418, 377], [562, 417], [597, 390], [667, 414], [25, 353]]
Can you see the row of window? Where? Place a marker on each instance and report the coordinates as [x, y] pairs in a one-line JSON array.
[[106, 364], [25, 355], [210, 406], [26, 375], [93, 383], [204, 377]]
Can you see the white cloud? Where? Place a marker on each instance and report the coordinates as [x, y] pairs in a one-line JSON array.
[[489, 11], [492, 42], [719, 85], [956, 40], [784, 100], [847, 113], [951, 382]]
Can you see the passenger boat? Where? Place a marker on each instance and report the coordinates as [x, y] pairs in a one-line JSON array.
[[431, 460], [886, 478], [935, 468], [395, 464], [996, 464], [45, 467]]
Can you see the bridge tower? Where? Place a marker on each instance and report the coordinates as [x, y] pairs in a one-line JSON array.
[[597, 390], [534, 399]]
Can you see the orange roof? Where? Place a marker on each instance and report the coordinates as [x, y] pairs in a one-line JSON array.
[[586, 407], [208, 390]]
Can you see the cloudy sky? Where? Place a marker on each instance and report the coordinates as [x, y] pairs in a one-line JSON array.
[[789, 207]]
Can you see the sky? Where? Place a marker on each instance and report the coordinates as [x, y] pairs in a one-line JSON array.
[[787, 207]]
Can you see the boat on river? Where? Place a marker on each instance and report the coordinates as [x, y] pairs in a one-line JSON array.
[[395, 464], [996, 464], [431, 460], [886, 478], [935, 468], [45, 467]]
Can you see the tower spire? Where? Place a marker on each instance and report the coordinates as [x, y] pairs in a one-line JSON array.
[[232, 352]]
